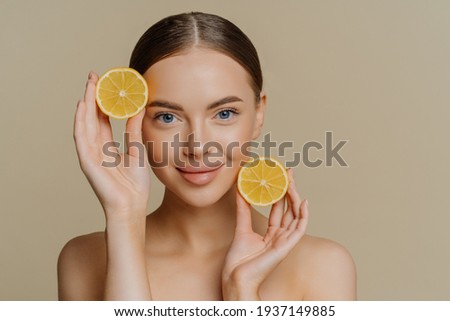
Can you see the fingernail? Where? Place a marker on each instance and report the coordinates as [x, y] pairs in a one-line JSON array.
[[307, 204], [90, 75]]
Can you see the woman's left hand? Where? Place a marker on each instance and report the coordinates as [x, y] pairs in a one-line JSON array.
[[252, 257]]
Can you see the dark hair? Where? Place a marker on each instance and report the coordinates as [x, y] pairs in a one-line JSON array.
[[177, 33]]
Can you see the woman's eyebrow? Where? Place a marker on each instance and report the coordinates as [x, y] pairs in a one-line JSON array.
[[175, 106]]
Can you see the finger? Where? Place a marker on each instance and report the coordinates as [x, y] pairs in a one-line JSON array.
[[276, 213], [304, 218], [93, 75], [91, 105], [133, 134], [100, 115], [103, 119], [78, 121], [298, 227], [294, 201], [288, 215], [79, 130], [243, 215], [105, 128]]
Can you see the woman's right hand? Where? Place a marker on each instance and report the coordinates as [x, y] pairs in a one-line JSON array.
[[125, 186]]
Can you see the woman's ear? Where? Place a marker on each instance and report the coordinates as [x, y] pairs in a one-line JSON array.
[[260, 110]]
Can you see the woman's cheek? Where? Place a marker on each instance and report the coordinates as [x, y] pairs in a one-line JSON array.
[[236, 144], [157, 145]]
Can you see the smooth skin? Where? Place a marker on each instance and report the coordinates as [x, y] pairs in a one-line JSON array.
[[204, 242]]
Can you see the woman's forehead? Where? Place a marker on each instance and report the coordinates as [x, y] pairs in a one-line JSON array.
[[197, 70]]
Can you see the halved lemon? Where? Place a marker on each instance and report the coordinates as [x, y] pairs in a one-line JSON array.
[[121, 93], [262, 181]]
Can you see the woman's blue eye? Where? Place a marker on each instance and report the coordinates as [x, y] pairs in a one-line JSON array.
[[166, 118], [226, 114]]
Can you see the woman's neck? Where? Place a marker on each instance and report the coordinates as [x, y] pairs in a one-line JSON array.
[[177, 227]]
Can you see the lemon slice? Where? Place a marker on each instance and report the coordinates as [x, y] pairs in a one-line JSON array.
[[121, 93], [262, 181]]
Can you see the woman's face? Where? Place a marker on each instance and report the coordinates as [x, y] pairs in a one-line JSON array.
[[193, 132]]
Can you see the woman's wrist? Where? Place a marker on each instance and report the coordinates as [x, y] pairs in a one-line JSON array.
[[127, 277], [129, 216], [123, 227], [234, 289]]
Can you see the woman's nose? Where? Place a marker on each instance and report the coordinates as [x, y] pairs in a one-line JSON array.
[[193, 145], [197, 144]]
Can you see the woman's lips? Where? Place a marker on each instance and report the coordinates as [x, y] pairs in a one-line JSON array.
[[199, 176]]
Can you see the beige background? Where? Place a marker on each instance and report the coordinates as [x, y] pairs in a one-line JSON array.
[[375, 73]]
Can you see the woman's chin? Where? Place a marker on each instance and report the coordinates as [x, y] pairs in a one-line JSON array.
[[201, 200]]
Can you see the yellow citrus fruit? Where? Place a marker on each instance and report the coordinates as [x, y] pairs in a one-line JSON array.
[[121, 92], [262, 181]]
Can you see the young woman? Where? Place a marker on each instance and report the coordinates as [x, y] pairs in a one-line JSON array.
[[204, 242]]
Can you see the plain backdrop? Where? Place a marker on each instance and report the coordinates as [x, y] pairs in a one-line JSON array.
[[374, 73]]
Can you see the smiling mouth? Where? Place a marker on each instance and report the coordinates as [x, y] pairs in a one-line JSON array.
[[198, 170], [199, 175]]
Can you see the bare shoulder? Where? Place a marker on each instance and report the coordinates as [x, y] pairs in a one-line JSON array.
[[81, 268], [316, 269], [326, 269]]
